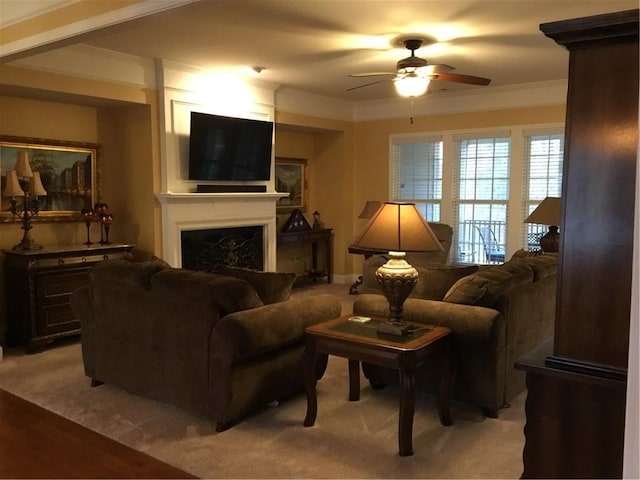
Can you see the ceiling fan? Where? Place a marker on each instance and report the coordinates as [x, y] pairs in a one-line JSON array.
[[414, 73]]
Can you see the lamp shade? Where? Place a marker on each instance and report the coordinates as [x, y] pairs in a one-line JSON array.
[[547, 213], [411, 85], [398, 227], [23, 169], [369, 209], [35, 187], [12, 185]]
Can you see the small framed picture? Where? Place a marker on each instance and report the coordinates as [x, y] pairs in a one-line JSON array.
[[290, 178]]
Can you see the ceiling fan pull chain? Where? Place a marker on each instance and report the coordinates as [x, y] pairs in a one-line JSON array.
[[411, 115]]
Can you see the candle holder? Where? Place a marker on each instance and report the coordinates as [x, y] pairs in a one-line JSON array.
[[88, 214], [100, 209], [106, 219]]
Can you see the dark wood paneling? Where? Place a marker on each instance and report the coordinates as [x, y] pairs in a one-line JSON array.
[[577, 383], [598, 195]]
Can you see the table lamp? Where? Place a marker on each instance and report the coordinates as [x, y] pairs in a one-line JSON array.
[[397, 228], [548, 213], [24, 183]]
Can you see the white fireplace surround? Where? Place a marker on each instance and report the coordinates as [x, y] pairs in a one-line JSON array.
[[184, 89], [203, 211]]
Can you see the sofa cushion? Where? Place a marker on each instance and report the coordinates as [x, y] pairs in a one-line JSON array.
[[487, 285], [133, 274], [544, 266], [434, 282], [272, 287], [229, 293], [469, 290]]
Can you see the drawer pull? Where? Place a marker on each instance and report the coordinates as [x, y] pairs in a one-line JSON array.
[[61, 261], [105, 257], [84, 259]]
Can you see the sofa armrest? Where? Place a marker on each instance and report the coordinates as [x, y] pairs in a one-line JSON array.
[[467, 320], [248, 333]]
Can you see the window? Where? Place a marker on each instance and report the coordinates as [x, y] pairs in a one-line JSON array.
[[482, 182], [481, 197], [416, 175], [542, 178]]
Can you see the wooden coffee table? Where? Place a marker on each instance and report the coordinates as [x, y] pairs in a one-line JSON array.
[[360, 342]]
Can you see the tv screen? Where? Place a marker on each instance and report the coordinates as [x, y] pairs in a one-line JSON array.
[[227, 148]]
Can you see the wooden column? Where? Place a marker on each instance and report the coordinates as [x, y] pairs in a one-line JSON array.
[[577, 384]]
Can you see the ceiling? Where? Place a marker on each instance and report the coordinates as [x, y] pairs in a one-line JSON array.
[[312, 45]]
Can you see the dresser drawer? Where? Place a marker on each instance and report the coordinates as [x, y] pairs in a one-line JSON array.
[[55, 288]]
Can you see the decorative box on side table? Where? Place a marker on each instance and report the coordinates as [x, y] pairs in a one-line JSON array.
[[38, 286]]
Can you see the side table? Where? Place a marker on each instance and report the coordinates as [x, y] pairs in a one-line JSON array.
[[360, 342], [312, 237], [39, 284]]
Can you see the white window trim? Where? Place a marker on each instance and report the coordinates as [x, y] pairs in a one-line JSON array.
[[516, 133]]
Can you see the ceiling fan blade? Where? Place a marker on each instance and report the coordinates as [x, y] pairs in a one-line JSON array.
[[371, 74], [459, 78], [435, 68], [368, 84]]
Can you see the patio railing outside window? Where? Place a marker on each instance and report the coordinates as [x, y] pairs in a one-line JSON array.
[[481, 242]]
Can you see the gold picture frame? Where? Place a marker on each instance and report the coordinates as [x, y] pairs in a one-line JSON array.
[[290, 178], [70, 173]]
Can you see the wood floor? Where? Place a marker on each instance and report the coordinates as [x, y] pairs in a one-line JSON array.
[[36, 443]]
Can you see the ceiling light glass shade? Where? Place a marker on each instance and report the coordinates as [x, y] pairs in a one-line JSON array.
[[411, 85]]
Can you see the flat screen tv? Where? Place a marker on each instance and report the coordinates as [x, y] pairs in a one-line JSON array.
[[228, 148]]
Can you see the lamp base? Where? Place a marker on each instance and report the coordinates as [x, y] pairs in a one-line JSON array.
[[550, 242], [396, 278], [395, 329], [27, 243]]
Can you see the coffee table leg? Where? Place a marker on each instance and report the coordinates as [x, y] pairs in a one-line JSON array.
[[310, 386], [354, 380], [407, 408], [446, 384]]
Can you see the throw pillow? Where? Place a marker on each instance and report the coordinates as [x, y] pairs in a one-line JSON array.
[[469, 290], [435, 282], [230, 294], [272, 287]]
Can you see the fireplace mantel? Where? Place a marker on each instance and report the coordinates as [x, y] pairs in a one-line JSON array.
[[198, 211]]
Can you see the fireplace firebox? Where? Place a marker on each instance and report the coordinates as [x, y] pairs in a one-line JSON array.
[[208, 249]]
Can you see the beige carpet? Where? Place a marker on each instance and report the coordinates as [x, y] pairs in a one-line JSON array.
[[349, 440]]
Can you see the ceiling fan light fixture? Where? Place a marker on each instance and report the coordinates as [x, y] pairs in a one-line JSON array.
[[411, 85]]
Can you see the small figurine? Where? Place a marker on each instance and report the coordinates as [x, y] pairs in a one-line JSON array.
[[316, 220]]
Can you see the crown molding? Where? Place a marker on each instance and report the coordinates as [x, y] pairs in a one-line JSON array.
[[84, 61]]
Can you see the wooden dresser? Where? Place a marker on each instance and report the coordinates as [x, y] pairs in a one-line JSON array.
[[38, 286], [577, 382]]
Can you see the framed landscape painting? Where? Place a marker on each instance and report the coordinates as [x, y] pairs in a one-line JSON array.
[[290, 178], [68, 170]]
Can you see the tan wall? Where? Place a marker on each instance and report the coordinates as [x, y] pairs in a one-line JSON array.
[[327, 146], [128, 162], [128, 174]]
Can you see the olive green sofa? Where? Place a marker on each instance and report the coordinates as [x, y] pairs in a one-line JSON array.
[[217, 345], [497, 313]]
